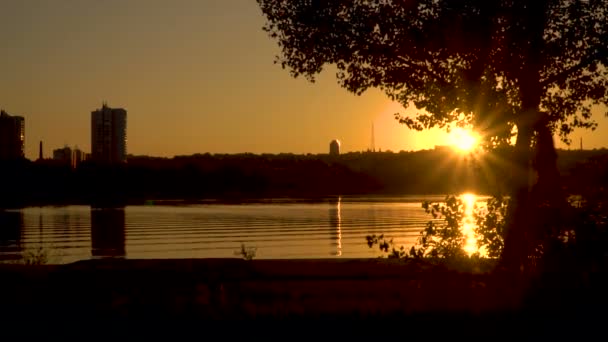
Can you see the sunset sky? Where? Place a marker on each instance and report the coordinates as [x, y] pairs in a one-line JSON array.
[[194, 75]]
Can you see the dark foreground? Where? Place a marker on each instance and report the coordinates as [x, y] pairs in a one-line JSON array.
[[288, 299]]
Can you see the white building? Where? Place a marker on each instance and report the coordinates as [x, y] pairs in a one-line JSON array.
[[109, 135], [334, 147]]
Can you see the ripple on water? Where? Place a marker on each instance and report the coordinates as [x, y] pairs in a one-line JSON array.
[[278, 230]]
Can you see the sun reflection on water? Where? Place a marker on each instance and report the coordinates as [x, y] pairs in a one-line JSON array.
[[468, 223]]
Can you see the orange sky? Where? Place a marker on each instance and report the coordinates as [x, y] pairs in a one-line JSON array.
[[195, 76]]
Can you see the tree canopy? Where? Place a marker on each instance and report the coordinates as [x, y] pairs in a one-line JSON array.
[[504, 67], [491, 64]]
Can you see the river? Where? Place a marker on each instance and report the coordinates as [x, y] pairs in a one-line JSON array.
[[271, 229]]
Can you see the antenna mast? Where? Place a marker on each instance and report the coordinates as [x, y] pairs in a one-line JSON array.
[[373, 147]]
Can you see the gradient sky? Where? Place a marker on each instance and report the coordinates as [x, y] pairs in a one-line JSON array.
[[194, 75]]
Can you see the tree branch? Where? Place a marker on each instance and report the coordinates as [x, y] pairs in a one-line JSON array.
[[424, 70], [585, 62]]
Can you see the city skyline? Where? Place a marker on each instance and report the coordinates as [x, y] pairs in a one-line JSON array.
[[196, 77]]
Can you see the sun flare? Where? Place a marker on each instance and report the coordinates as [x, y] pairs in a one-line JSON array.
[[463, 140]]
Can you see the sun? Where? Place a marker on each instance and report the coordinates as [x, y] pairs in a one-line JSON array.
[[463, 140]]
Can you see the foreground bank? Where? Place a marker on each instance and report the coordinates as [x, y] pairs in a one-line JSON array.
[[217, 293]]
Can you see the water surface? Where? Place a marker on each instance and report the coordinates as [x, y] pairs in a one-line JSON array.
[[328, 228]]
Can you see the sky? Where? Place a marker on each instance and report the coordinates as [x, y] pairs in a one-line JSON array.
[[195, 76]]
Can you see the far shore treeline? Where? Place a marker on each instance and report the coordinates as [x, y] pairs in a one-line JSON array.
[[244, 176]]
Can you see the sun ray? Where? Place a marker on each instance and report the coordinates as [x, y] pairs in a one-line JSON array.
[[463, 140]]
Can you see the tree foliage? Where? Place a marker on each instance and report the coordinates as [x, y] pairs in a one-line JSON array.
[[443, 237], [503, 66], [478, 62], [491, 225], [576, 241]]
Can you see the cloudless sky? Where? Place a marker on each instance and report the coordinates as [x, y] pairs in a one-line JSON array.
[[194, 75]]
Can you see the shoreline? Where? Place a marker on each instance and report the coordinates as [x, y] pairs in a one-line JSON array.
[[239, 200], [294, 275], [258, 294]]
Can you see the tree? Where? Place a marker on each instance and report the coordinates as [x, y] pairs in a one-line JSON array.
[[505, 67]]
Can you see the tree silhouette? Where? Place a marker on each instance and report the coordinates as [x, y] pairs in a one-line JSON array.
[[529, 68]]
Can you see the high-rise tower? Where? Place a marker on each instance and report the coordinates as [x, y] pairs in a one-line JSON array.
[[109, 135], [12, 136]]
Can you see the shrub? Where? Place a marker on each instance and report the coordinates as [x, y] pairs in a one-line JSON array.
[[442, 237], [247, 253]]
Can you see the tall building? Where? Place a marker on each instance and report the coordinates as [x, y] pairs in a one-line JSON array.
[[109, 135], [12, 136]]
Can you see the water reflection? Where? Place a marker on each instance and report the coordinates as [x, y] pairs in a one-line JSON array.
[[468, 223], [108, 232], [11, 223], [300, 230], [335, 223]]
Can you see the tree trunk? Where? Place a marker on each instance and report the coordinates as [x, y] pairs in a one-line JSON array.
[[549, 202], [547, 187], [515, 250], [520, 214], [527, 226]]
